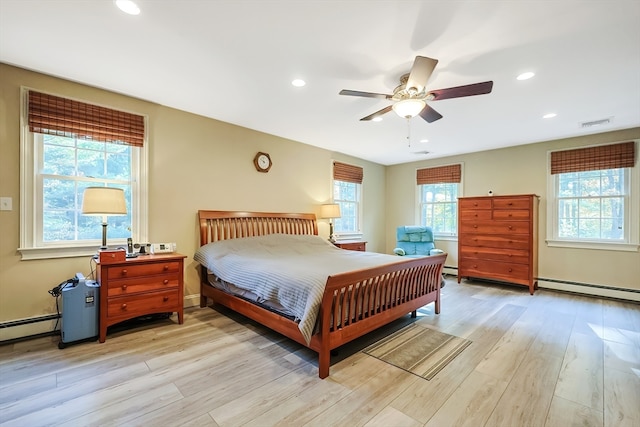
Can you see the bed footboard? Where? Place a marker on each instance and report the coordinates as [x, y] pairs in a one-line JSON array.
[[359, 302]]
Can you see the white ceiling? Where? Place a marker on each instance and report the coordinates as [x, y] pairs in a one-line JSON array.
[[234, 61]]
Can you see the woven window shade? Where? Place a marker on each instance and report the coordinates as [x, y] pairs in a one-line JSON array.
[[440, 174], [348, 173], [611, 156], [53, 115]]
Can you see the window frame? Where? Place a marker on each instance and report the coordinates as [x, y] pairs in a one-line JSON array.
[[420, 220], [631, 241], [355, 234], [418, 198], [31, 246]]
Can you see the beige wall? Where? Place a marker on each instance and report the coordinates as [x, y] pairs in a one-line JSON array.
[[522, 170], [194, 163]]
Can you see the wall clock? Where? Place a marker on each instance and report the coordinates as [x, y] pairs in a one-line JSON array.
[[262, 162]]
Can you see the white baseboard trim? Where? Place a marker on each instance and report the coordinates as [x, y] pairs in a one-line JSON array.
[[599, 291], [35, 326], [192, 301]]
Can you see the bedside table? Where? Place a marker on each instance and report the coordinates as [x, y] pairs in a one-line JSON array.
[[352, 245], [138, 286]]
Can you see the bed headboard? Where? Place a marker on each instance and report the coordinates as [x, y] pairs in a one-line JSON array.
[[223, 225]]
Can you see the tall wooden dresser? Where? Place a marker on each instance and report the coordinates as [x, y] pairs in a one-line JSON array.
[[498, 238]]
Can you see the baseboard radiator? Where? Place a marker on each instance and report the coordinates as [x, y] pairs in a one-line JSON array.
[[590, 289]]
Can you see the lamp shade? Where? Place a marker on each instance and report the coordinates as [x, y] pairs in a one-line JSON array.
[[104, 201], [408, 108], [331, 210]]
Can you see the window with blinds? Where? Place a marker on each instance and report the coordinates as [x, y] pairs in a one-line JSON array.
[[347, 192], [70, 145], [438, 189], [592, 194]]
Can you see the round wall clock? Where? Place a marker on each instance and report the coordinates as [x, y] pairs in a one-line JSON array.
[[262, 162]]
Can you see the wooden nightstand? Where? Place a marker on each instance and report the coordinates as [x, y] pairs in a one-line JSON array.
[[139, 286], [352, 245]]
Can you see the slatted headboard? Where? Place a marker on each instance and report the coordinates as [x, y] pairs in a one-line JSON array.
[[223, 225]]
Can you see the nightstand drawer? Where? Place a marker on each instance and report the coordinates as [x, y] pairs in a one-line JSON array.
[[143, 284], [143, 303], [352, 246], [143, 270]]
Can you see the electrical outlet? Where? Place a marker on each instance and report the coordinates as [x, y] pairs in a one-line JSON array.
[[6, 204]]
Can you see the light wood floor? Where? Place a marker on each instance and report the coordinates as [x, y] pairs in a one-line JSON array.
[[551, 359]]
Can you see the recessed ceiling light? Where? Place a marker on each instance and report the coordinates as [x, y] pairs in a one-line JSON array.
[[127, 6], [424, 140], [298, 82], [549, 115], [376, 119], [526, 76]]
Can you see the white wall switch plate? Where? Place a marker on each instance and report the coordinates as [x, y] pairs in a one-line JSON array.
[[6, 204]]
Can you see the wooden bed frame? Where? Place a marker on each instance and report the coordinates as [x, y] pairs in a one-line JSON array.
[[367, 299]]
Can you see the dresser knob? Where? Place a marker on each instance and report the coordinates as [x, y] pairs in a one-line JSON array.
[[475, 225], [124, 287], [509, 255], [166, 267], [510, 270], [124, 272], [124, 306], [165, 299], [165, 281], [510, 227]]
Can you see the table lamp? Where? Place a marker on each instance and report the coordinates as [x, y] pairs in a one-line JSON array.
[[103, 201], [330, 211]]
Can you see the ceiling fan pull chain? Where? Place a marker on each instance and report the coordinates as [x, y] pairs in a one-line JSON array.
[[409, 132]]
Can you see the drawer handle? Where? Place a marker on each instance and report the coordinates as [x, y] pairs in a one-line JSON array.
[[510, 227], [510, 215], [475, 266], [124, 272], [476, 215], [124, 287], [510, 203], [165, 299], [475, 239], [509, 255], [475, 204], [123, 307], [510, 270], [166, 267], [165, 281], [475, 225]]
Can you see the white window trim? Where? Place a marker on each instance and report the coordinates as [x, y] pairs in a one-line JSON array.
[[29, 248], [418, 194], [633, 245]]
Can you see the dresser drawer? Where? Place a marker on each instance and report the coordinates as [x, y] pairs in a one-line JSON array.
[[518, 256], [516, 241], [475, 215], [516, 214], [512, 203], [146, 269], [496, 269], [143, 304], [495, 227], [471, 204], [143, 284]]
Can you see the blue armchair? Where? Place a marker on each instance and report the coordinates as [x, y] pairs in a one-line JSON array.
[[415, 241]]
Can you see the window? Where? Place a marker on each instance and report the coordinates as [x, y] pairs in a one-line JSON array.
[[591, 196], [438, 198], [67, 146], [347, 192]]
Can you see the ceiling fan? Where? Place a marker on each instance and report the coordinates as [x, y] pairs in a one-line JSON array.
[[411, 96]]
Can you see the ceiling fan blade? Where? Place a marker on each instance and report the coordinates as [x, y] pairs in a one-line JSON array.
[[429, 114], [365, 94], [420, 73], [460, 91], [378, 113]]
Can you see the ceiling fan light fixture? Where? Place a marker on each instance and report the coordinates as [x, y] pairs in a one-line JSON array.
[[408, 108]]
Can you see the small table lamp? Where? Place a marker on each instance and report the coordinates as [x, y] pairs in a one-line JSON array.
[[104, 201], [330, 211]]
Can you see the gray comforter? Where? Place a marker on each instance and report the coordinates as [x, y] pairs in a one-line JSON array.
[[289, 269]]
